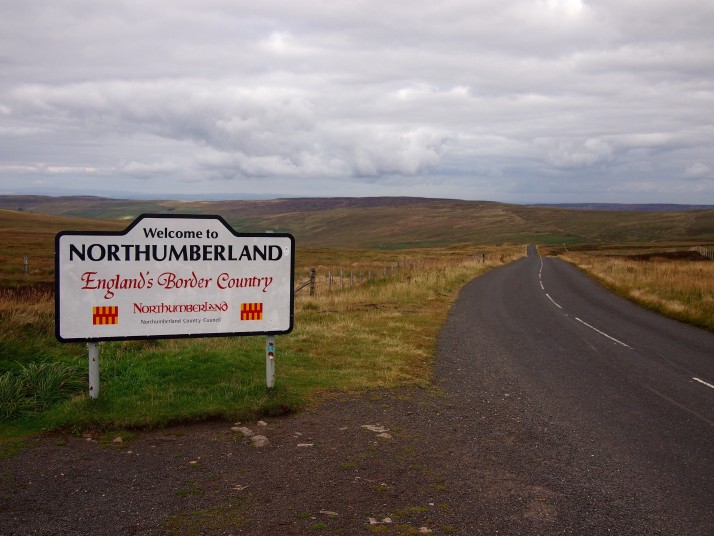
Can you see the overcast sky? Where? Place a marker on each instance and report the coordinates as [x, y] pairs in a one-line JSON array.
[[509, 100]]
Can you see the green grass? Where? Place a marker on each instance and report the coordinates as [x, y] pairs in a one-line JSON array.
[[36, 387], [176, 381]]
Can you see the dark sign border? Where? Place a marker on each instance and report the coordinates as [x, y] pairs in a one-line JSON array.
[[58, 275]]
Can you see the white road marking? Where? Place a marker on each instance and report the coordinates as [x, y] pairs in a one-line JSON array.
[[583, 321], [680, 406], [703, 382], [554, 302], [603, 333]]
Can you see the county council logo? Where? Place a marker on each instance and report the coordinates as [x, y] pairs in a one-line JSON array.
[[105, 315], [251, 311]]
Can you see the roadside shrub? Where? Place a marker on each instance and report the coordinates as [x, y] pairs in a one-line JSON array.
[[36, 387], [11, 400]]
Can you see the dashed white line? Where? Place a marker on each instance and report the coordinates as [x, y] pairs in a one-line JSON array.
[[603, 333], [703, 382], [554, 302], [540, 277]]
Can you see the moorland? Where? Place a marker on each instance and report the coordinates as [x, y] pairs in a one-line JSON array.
[[387, 270]]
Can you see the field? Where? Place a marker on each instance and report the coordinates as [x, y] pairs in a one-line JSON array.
[[31, 236], [397, 223], [386, 275], [676, 283]]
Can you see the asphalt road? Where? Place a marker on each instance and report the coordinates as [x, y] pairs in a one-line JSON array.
[[605, 410]]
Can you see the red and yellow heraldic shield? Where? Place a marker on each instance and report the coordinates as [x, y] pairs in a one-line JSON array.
[[105, 315], [251, 311]]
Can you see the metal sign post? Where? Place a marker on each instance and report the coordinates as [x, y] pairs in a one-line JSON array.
[[93, 350], [270, 361]]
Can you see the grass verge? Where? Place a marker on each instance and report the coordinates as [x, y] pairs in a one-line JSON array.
[[380, 334]]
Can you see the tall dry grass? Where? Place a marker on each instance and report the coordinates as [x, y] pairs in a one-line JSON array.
[[682, 289], [382, 332], [25, 312]]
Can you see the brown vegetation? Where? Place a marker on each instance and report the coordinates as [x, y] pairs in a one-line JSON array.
[[679, 284]]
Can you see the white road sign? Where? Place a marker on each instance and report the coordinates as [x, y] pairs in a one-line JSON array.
[[172, 276]]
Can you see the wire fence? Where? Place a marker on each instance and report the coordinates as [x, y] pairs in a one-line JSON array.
[[26, 270], [336, 278]]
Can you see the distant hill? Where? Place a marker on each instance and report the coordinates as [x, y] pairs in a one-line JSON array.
[[396, 222], [632, 207]]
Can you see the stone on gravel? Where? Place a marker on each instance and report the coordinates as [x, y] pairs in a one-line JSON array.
[[376, 428], [385, 435], [247, 432], [262, 423], [260, 441], [117, 440]]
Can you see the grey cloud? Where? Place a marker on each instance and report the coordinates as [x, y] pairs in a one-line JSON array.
[[697, 170], [263, 131], [466, 97], [571, 153]]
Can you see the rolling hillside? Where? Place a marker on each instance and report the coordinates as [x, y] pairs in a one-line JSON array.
[[383, 222]]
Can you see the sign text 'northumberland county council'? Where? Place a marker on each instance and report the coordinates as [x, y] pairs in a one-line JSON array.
[[172, 276]]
